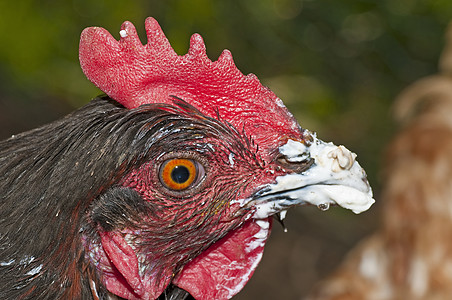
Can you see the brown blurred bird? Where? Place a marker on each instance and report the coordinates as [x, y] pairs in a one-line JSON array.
[[410, 255]]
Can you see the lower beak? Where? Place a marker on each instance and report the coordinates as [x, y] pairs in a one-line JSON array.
[[333, 178]]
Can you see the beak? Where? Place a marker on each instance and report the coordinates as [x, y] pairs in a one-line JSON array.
[[331, 176]]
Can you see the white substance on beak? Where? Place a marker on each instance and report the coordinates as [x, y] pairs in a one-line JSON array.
[[260, 237], [282, 215], [123, 33], [334, 178], [343, 159], [264, 224], [263, 210]]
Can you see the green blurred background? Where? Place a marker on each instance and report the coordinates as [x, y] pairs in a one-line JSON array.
[[337, 65]]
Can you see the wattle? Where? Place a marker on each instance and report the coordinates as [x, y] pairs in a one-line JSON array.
[[222, 270]]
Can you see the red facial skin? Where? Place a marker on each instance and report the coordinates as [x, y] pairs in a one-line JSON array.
[[184, 227], [134, 74]]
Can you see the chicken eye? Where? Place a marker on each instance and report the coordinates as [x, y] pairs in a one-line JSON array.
[[180, 173]]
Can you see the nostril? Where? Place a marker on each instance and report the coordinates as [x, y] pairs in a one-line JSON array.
[[295, 166], [295, 156]]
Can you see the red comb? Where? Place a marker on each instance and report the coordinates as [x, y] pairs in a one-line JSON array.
[[134, 74]]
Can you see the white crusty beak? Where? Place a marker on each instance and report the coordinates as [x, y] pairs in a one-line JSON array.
[[334, 177]]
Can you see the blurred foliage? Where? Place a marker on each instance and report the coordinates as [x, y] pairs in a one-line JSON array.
[[338, 65]]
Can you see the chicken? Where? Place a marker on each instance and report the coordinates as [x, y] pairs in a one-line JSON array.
[[164, 187], [410, 256]]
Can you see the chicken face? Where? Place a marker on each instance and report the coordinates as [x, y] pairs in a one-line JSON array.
[[223, 156], [198, 211]]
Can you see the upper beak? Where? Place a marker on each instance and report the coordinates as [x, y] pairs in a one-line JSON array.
[[331, 176]]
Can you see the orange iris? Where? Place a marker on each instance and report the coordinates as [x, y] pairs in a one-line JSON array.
[[178, 174]]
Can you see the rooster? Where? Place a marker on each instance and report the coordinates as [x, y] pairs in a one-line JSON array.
[[410, 256], [164, 187]]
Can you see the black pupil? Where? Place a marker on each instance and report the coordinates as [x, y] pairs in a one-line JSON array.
[[180, 174]]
